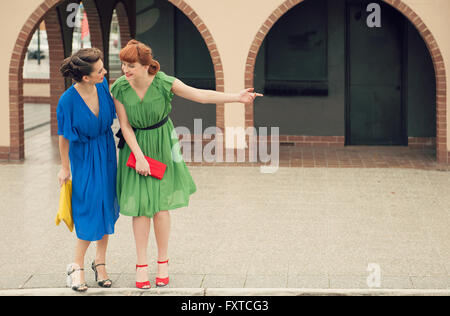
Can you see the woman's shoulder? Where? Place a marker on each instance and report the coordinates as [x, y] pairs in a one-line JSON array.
[[164, 84], [165, 80], [163, 76], [119, 87], [66, 98], [120, 82]]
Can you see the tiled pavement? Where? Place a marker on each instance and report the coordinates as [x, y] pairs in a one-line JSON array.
[[316, 228]]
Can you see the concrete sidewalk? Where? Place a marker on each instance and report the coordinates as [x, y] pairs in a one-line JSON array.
[[186, 292], [317, 229]]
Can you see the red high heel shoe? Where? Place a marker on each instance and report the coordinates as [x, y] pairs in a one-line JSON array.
[[161, 282], [143, 285]]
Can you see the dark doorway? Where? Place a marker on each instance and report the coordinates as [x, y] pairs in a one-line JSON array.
[[375, 112]]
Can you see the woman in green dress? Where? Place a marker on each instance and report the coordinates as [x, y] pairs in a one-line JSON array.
[[143, 99]]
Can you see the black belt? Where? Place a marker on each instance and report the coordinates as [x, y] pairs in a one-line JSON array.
[[122, 139]]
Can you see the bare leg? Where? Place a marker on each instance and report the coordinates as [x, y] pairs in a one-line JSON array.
[[161, 223], [80, 252], [141, 228], [100, 257]]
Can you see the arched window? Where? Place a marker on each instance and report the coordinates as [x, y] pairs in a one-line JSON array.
[[296, 52], [193, 64], [37, 57]]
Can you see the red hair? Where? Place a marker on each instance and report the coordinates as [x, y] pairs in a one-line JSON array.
[[137, 52]]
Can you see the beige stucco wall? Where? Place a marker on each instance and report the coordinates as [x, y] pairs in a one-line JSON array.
[[15, 14], [233, 24], [36, 89]]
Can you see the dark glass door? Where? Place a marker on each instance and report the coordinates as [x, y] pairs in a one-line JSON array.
[[375, 114]]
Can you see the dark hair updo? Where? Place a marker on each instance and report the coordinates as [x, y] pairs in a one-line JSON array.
[[80, 64]]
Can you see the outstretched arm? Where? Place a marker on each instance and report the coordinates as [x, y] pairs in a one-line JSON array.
[[211, 96]]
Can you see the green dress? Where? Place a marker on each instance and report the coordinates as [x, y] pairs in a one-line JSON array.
[[145, 196]]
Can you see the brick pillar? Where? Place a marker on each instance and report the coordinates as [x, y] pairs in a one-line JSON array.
[[56, 56], [124, 24], [95, 27]]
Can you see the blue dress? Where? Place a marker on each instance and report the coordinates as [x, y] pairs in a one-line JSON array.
[[93, 161]]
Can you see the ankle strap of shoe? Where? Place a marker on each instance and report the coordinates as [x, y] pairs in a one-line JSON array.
[[99, 264], [161, 262], [141, 266], [75, 270]]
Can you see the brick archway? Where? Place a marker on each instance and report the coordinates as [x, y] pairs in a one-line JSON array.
[[16, 150], [442, 154], [16, 119], [95, 28], [47, 11]]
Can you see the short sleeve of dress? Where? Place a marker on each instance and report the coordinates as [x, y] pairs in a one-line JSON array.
[[117, 89], [167, 82], [64, 118], [60, 118]]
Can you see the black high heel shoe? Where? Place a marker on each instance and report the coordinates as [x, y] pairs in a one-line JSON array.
[[102, 283]]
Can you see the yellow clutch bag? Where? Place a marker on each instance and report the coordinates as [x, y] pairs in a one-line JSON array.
[[65, 206]]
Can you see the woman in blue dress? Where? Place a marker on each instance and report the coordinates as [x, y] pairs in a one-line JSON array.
[[85, 114]]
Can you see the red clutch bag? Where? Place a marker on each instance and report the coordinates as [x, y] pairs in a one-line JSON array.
[[157, 168]]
